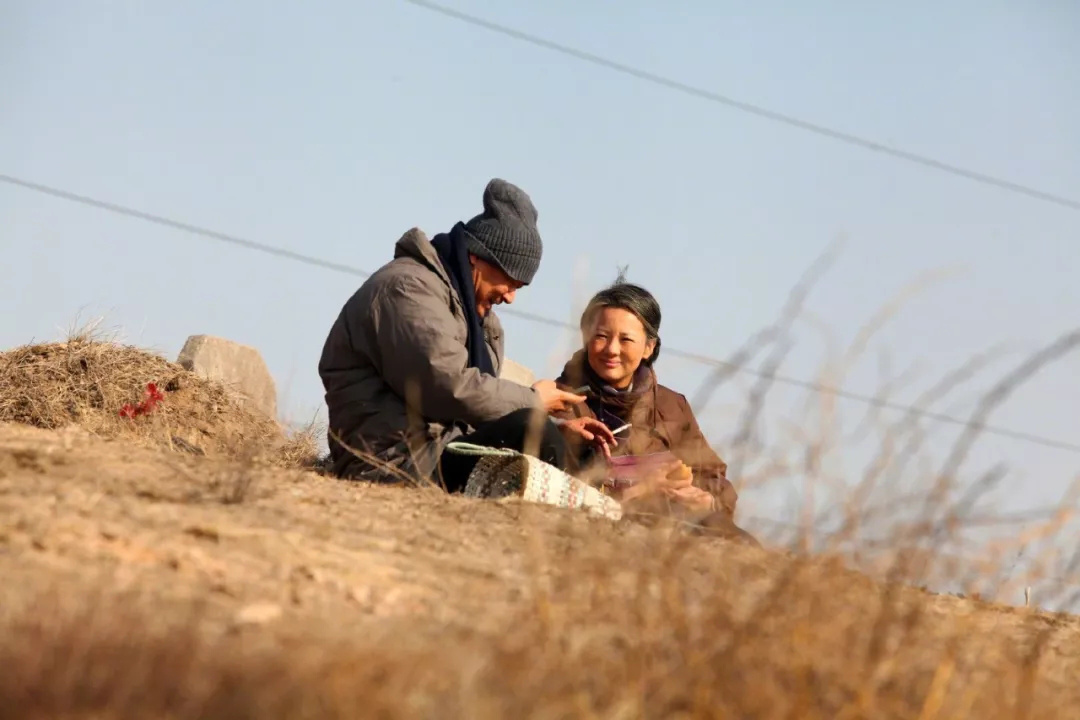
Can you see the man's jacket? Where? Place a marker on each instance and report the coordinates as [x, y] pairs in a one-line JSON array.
[[394, 368]]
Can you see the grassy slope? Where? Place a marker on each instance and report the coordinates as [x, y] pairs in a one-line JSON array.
[[139, 583]]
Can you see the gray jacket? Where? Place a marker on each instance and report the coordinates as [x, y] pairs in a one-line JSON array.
[[394, 369]]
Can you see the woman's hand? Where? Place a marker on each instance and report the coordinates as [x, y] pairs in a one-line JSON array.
[[663, 480], [674, 482], [693, 498], [591, 431]]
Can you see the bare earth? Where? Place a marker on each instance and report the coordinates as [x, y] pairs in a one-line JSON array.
[[139, 582]]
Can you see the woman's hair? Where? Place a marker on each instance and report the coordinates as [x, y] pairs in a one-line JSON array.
[[634, 299]]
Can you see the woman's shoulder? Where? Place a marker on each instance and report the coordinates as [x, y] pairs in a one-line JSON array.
[[676, 413], [573, 373], [672, 404], [667, 395]]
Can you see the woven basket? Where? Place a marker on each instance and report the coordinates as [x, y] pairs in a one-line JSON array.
[[501, 473]]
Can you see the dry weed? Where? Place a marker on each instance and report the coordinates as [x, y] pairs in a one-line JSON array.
[[598, 634], [88, 383]]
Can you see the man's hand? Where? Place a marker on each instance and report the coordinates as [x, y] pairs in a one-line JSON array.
[[553, 399], [591, 431]]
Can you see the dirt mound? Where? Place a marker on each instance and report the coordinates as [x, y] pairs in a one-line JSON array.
[[120, 391]]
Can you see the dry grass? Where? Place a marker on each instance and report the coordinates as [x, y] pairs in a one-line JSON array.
[[86, 382], [128, 575]]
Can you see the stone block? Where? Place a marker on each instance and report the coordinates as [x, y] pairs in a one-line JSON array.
[[239, 367], [516, 372]]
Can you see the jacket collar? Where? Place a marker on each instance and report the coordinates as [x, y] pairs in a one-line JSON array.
[[416, 245]]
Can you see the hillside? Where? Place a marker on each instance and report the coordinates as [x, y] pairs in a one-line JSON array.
[[142, 580]]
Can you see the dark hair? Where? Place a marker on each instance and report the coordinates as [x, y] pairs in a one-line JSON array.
[[634, 299]]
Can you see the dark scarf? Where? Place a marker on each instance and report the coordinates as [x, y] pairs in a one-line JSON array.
[[454, 255], [610, 405]]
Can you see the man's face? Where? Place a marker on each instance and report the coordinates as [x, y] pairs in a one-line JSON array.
[[492, 285]]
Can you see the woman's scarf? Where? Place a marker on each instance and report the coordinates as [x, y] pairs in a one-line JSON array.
[[453, 252]]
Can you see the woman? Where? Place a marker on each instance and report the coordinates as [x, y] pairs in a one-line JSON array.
[[620, 330]]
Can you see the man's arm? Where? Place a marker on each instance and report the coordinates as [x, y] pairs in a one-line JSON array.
[[426, 365]]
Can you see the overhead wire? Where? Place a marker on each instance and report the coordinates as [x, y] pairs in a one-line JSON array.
[[322, 263], [746, 107]]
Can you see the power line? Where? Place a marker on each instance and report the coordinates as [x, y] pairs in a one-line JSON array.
[[746, 107], [186, 227], [536, 318]]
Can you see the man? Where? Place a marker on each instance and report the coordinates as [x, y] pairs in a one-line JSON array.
[[413, 359]]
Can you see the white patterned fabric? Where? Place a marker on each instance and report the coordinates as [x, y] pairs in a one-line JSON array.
[[503, 473]]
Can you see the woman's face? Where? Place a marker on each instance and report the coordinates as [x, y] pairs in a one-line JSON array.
[[616, 344]]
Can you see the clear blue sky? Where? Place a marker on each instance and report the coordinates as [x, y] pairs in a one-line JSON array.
[[332, 127]]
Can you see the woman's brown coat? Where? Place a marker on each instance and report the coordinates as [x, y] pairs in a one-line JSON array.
[[662, 420]]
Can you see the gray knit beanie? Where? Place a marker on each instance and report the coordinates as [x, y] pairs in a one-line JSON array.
[[505, 234]]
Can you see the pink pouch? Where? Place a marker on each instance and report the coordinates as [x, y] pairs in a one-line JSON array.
[[628, 470]]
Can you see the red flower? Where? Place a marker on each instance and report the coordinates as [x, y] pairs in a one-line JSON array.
[[152, 398]]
